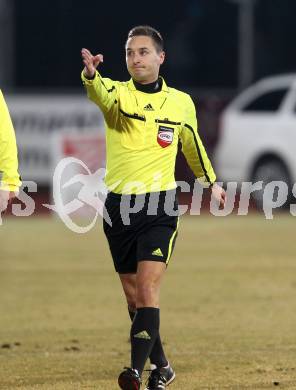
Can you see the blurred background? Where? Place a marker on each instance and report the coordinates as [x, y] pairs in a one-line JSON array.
[[215, 49], [41, 41]]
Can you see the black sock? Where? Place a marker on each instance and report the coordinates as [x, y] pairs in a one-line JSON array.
[[144, 331], [157, 356]]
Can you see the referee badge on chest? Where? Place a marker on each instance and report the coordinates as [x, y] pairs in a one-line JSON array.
[[165, 136]]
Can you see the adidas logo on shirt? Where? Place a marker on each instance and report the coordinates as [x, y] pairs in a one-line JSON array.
[[149, 107]]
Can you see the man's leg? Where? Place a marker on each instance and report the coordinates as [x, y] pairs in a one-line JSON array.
[[145, 327], [157, 355], [128, 282]]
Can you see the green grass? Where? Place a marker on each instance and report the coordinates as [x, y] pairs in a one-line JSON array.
[[228, 306]]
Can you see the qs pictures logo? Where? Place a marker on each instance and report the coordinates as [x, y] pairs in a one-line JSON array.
[[77, 190]]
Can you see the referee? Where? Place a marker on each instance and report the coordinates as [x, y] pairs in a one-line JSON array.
[[9, 177], [144, 121]]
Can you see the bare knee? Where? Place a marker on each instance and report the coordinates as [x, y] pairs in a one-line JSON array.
[[149, 276], [131, 299], [147, 295], [129, 288]]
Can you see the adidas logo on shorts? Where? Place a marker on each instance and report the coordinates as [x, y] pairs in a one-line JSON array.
[[157, 252]]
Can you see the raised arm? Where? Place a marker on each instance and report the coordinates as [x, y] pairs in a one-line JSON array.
[[102, 91]]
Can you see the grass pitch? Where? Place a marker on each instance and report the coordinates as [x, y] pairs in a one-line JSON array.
[[228, 306]]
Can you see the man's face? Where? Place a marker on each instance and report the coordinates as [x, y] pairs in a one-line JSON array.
[[142, 59]]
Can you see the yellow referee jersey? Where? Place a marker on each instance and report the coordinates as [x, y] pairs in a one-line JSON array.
[[9, 177], [142, 133]]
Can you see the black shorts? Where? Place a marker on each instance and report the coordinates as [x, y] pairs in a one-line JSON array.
[[147, 234]]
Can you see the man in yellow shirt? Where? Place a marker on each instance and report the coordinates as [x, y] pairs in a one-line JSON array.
[[144, 120], [9, 177]]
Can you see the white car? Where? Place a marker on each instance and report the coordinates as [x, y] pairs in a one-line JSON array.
[[257, 139]]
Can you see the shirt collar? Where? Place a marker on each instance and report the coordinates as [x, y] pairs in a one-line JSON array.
[[131, 85]]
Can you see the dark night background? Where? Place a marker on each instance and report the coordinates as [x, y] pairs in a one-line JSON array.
[[201, 39]]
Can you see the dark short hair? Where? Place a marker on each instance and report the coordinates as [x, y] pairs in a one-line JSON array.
[[148, 31]]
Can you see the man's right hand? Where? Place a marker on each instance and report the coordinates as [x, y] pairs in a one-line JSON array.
[[5, 198], [90, 63]]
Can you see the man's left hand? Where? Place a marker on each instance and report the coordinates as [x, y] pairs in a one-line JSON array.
[[5, 197]]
